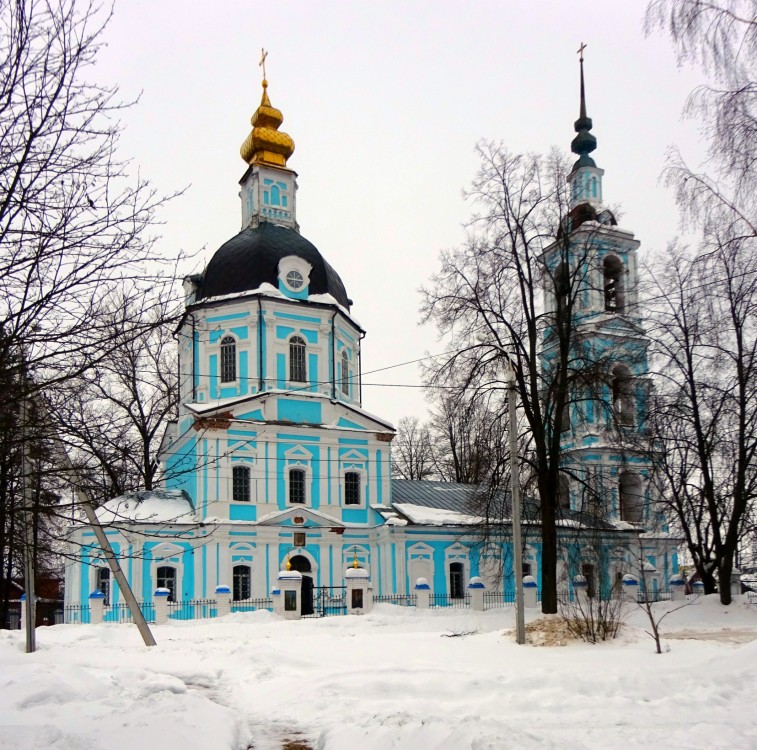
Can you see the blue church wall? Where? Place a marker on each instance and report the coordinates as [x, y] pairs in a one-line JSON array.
[[293, 410]]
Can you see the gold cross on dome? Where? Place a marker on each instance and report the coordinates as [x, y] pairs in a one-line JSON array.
[[263, 56], [580, 52]]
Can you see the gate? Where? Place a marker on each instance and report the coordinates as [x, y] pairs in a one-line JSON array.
[[328, 601]]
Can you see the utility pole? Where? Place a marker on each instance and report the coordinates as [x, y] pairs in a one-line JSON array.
[[512, 391], [104, 542], [28, 516]]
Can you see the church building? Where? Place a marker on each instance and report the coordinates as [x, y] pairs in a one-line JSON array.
[[273, 461]]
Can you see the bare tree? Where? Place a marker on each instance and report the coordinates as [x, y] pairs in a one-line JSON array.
[[74, 226], [75, 223], [492, 287], [469, 438], [113, 416], [706, 302], [412, 455], [705, 419]]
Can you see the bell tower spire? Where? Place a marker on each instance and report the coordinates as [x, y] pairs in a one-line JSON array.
[[268, 186], [585, 178]]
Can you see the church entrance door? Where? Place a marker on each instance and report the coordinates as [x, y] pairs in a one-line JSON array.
[[301, 564]]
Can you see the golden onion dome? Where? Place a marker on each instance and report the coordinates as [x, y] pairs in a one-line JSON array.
[[265, 144]]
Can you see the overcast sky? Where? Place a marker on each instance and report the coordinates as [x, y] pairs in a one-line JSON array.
[[385, 102]]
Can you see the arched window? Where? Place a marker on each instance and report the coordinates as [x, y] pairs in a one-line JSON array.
[[240, 491], [297, 479], [102, 583], [631, 497], [345, 374], [228, 359], [623, 405], [456, 582], [297, 354], [166, 579], [614, 274], [242, 580], [352, 488]]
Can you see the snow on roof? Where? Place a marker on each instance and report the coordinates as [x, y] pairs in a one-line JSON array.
[[423, 516], [157, 506]]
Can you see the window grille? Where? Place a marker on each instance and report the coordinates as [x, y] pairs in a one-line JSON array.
[[240, 479], [228, 359], [166, 579], [242, 579], [296, 485], [103, 584], [352, 488], [297, 369]]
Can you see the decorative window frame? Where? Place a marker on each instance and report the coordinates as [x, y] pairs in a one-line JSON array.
[[299, 458], [421, 553], [214, 348], [295, 263], [456, 553], [169, 555], [241, 455]]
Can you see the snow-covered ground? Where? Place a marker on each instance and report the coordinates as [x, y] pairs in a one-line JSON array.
[[385, 680]]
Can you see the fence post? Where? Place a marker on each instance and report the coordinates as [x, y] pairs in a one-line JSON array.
[[23, 611], [96, 607], [422, 593], [529, 592], [631, 588], [697, 588], [580, 588], [278, 607], [735, 582], [223, 600], [161, 605], [290, 584], [677, 588], [359, 593], [476, 588]]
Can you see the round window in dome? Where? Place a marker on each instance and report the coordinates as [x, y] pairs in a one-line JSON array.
[[294, 280]]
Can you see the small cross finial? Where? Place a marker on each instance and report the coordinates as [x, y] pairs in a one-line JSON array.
[[263, 55], [581, 51]]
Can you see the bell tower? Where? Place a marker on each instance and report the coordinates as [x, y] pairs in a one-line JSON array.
[[269, 187]]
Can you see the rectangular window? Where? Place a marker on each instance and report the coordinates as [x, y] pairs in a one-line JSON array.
[[296, 485], [240, 484], [299, 539], [290, 601], [352, 488]]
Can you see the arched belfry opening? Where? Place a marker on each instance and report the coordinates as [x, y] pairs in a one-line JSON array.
[[623, 402], [614, 284], [631, 497]]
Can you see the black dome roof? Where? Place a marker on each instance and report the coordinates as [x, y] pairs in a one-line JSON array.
[[252, 258]]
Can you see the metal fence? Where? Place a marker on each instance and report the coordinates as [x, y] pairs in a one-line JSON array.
[[402, 600], [76, 614], [251, 605], [495, 599], [327, 601], [121, 613], [450, 602], [192, 609]]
